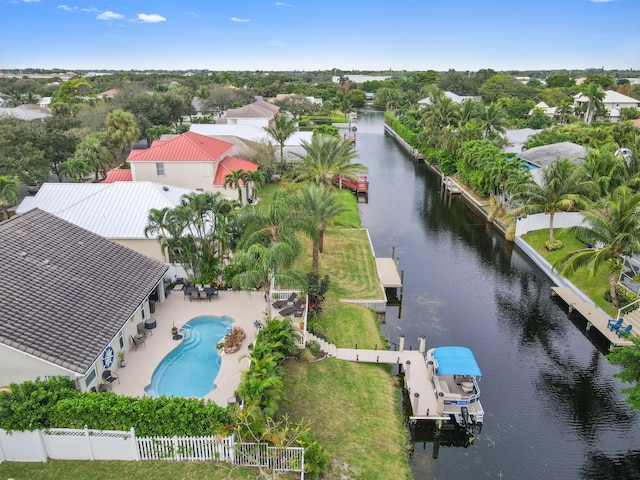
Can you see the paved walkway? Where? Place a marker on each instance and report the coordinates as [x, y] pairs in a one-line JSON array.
[[244, 307]]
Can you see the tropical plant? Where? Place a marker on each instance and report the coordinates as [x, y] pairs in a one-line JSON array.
[[94, 152], [325, 158], [283, 127], [318, 205], [562, 187], [254, 180], [595, 95], [122, 131], [235, 179], [76, 168], [9, 193], [629, 358], [613, 227]]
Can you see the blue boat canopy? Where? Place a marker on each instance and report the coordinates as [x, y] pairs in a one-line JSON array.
[[456, 361]]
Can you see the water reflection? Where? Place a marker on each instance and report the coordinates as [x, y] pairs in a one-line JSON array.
[[553, 408]]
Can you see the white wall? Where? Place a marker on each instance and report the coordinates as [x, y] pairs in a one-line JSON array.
[[540, 221], [17, 367]]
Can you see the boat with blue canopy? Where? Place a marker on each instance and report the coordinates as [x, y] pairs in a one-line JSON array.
[[455, 374]]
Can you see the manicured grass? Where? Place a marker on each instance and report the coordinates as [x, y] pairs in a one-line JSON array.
[[593, 286], [355, 412], [108, 470]]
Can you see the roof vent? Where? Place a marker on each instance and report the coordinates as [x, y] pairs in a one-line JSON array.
[[165, 188], [24, 254]]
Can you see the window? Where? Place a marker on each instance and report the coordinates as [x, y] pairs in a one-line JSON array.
[[207, 169], [121, 341], [160, 169], [91, 376]]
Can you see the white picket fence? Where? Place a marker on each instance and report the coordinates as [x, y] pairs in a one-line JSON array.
[[87, 444]]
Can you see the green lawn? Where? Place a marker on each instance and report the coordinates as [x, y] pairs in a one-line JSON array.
[[593, 286], [116, 470]]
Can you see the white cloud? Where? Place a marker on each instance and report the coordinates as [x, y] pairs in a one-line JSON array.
[[151, 18], [90, 10], [67, 8], [236, 19], [282, 4], [31, 1], [109, 15]]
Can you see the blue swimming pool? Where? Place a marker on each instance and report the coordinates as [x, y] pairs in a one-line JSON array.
[[191, 369]]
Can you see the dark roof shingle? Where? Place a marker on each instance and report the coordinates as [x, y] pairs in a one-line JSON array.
[[67, 291]]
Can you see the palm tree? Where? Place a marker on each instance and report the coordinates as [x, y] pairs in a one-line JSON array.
[[9, 193], [282, 129], [122, 130], [95, 152], [613, 227], [562, 188], [493, 121], [318, 206], [254, 180], [595, 94], [76, 168], [277, 224], [259, 265], [325, 158], [235, 179]]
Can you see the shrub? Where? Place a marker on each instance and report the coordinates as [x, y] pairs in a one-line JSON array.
[[313, 347], [625, 297], [306, 356], [233, 340], [551, 247]]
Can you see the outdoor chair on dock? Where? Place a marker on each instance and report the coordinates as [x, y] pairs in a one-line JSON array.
[[615, 324], [623, 332]]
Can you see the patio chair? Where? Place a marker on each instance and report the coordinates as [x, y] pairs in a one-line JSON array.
[[287, 311], [614, 324], [214, 294], [138, 340], [206, 285], [624, 332], [141, 330], [198, 285], [195, 295], [109, 377], [203, 295], [283, 303]]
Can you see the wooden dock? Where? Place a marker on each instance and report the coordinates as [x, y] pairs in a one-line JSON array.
[[594, 316], [359, 187], [450, 186], [423, 399]]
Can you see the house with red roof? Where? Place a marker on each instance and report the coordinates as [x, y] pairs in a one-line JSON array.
[[190, 161]]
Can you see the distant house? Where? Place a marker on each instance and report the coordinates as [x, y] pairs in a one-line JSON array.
[[455, 98], [24, 112], [360, 78], [612, 101], [258, 114], [108, 95], [118, 211], [538, 158], [550, 112], [75, 301], [293, 144], [284, 96], [191, 161]]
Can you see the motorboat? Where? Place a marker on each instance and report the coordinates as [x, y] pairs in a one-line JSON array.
[[454, 375]]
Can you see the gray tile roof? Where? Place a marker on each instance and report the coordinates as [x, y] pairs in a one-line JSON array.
[[547, 154], [68, 297]]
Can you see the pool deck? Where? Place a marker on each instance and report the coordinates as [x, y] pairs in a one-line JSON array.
[[244, 307]]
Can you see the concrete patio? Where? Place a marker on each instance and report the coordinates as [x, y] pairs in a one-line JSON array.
[[244, 307]]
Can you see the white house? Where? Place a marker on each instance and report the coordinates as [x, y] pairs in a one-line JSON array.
[[73, 299], [612, 101], [118, 211], [455, 98], [258, 113], [254, 134], [550, 112]]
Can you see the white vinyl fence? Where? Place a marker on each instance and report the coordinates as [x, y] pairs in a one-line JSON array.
[[87, 444]]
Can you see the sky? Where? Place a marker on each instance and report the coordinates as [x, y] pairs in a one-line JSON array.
[[320, 34]]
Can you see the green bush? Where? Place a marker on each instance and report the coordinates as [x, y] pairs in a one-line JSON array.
[[625, 297], [551, 247], [314, 347]]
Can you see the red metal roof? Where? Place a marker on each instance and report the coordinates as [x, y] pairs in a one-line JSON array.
[[231, 163], [188, 147], [118, 175]]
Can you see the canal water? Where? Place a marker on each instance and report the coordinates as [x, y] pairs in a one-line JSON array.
[[552, 406]]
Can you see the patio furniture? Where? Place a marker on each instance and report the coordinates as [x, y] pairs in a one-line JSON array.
[[206, 285], [287, 311], [203, 295], [624, 332], [614, 324], [109, 377], [150, 324], [214, 294], [283, 303], [141, 329], [194, 295], [138, 340], [198, 285]]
